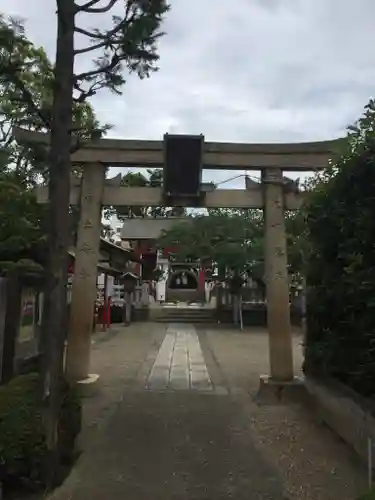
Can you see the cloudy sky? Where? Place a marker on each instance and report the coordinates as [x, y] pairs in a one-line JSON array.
[[239, 70]]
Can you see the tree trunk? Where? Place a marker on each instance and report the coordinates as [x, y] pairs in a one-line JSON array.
[[55, 306], [11, 325]]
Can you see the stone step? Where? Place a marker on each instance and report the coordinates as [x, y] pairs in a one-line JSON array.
[[184, 315], [184, 320]]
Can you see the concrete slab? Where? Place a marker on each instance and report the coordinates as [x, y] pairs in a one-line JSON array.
[[160, 372]]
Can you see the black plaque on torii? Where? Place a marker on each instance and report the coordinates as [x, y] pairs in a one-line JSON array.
[[182, 173]]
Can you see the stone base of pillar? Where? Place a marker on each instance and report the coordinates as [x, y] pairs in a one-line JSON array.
[[274, 392], [89, 386]]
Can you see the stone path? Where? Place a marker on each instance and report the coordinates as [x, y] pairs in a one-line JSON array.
[[174, 446], [179, 364], [160, 436]]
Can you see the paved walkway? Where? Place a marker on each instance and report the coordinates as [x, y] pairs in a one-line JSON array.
[[175, 419], [179, 364]]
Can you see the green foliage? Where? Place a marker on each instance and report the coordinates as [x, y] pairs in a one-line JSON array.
[[70, 423], [23, 451], [131, 44], [231, 239], [22, 444], [363, 130], [154, 178], [26, 93], [21, 220], [234, 240], [340, 274], [295, 227], [369, 495]]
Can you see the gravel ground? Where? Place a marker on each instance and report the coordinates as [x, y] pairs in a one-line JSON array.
[[313, 462]]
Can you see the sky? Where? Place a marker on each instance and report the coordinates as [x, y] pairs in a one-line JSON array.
[[238, 70]]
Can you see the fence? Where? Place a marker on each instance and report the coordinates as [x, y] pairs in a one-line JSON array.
[[3, 283], [20, 316], [254, 310], [250, 296], [255, 296]]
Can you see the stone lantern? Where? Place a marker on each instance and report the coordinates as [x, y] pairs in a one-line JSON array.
[[129, 281]]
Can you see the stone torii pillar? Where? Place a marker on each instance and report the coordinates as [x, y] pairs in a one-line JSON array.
[[85, 274], [277, 282]]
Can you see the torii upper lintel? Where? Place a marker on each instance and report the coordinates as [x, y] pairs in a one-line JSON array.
[[304, 156]]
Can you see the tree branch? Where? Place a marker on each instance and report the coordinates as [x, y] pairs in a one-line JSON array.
[[104, 36], [95, 72], [91, 48], [88, 7], [82, 31], [84, 94], [109, 34]]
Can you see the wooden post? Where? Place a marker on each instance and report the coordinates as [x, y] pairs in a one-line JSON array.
[[105, 303], [85, 274], [109, 311], [277, 283]]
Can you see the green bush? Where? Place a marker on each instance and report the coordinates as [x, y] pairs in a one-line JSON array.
[[70, 424], [340, 215], [370, 495], [23, 449]]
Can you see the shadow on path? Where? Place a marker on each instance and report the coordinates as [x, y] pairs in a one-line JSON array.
[[183, 445]]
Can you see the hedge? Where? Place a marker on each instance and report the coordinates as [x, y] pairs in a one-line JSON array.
[[22, 440], [340, 216], [370, 495]]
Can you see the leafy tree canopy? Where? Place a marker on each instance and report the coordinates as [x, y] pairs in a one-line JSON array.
[[26, 93], [21, 222], [231, 239], [154, 178], [26, 77]]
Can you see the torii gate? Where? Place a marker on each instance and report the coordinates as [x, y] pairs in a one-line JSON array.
[[274, 195]]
